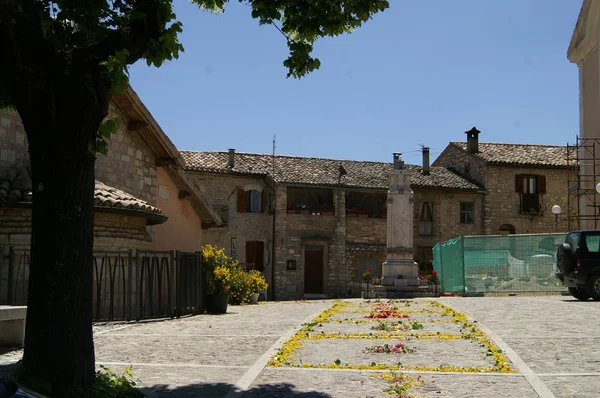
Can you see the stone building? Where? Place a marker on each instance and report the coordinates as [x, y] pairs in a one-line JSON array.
[[314, 225], [143, 199], [583, 51], [522, 183]]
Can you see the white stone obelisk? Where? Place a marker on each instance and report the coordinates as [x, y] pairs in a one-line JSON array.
[[399, 262]]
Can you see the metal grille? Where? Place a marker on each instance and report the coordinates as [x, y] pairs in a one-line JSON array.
[[127, 284]]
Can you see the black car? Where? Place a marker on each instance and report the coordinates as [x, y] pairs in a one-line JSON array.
[[578, 263]]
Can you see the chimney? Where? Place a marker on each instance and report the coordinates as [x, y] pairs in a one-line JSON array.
[[425, 160], [473, 140], [398, 163], [231, 161]]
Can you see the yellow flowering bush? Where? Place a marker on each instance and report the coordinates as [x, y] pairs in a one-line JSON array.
[[240, 284], [256, 281], [215, 262], [222, 279], [225, 275]]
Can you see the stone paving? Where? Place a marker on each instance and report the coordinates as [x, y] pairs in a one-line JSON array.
[[550, 342]]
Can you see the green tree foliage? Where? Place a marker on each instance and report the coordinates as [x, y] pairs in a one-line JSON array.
[[61, 61]]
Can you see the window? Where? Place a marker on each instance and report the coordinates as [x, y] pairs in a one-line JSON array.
[[530, 189], [426, 219], [253, 202], [467, 213], [250, 201], [592, 242], [424, 257]]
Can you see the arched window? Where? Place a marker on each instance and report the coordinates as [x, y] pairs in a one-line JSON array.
[[250, 201], [507, 229]]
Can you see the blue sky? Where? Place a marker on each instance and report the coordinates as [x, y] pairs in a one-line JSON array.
[[422, 72]]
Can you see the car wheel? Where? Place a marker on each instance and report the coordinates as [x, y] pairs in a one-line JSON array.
[[564, 258], [593, 287], [579, 293]]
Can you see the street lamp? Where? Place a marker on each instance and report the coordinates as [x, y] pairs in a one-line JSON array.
[[598, 187], [556, 211]]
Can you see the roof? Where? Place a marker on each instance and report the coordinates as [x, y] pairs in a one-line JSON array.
[[321, 172], [526, 155], [141, 121], [15, 188]]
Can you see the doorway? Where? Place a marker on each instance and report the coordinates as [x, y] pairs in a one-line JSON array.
[[313, 269]]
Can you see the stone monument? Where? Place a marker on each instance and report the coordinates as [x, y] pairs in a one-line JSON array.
[[400, 273]]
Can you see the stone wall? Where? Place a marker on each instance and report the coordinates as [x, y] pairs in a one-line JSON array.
[[221, 192], [502, 202], [129, 164], [463, 163], [13, 141]]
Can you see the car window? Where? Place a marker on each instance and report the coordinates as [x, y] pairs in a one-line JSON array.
[[573, 241], [592, 243]]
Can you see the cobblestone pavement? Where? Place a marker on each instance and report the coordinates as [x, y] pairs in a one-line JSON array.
[[551, 343]]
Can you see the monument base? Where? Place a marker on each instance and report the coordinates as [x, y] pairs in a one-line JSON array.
[[400, 279]]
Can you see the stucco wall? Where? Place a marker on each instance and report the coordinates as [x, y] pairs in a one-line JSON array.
[[183, 229]]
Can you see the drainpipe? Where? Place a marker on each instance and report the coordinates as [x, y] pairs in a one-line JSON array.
[[273, 244]]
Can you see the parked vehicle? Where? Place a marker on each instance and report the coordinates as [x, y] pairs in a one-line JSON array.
[[578, 264]]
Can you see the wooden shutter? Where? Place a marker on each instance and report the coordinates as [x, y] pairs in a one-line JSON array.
[[241, 201], [541, 180], [519, 183], [259, 256], [250, 252]]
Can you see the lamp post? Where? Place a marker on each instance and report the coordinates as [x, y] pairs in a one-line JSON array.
[[556, 210]]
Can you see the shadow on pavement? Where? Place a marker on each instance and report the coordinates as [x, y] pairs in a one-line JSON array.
[[215, 390]]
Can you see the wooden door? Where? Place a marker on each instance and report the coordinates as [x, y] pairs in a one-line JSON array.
[[255, 255], [313, 269]]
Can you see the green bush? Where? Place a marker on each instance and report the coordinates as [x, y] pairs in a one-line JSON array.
[[110, 385]]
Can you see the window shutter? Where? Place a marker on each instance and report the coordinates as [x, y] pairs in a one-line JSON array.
[[259, 256], [519, 183], [250, 252], [241, 201], [541, 184]]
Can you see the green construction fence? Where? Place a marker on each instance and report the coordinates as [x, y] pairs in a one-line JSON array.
[[498, 264]]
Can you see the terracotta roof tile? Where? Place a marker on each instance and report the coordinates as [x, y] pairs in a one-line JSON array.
[[520, 154], [15, 187], [317, 171]]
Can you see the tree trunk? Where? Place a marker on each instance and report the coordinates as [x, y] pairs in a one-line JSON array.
[[61, 129]]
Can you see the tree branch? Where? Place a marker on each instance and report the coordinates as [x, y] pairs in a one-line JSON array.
[[136, 37]]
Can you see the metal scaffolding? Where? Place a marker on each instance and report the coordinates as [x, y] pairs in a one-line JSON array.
[[583, 203]]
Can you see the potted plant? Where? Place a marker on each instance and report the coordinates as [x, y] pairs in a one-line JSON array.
[[366, 284], [217, 276], [434, 281], [257, 284]]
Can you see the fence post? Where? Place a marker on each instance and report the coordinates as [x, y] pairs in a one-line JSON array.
[[462, 261], [172, 284], [200, 287], [178, 281], [11, 267], [129, 293]]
